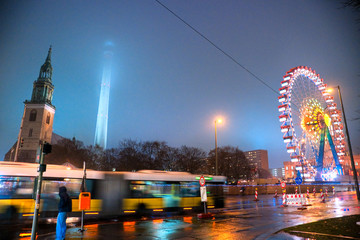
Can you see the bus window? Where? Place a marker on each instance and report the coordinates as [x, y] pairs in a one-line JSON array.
[[141, 189], [189, 189], [16, 187], [153, 189], [50, 187]]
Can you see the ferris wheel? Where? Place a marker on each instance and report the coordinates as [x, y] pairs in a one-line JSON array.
[[311, 124]]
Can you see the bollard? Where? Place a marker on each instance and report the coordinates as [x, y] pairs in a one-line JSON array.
[[284, 199], [314, 192], [275, 195], [296, 190], [256, 195], [333, 191], [326, 192], [322, 196], [307, 192]]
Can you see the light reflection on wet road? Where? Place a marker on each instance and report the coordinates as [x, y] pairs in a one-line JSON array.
[[242, 218]]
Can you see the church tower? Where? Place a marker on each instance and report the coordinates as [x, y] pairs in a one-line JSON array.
[[37, 121]]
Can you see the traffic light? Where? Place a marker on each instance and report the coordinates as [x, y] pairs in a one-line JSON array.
[[47, 148], [21, 142]]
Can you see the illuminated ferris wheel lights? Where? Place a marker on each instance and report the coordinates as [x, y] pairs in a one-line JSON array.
[[332, 106], [283, 118], [291, 149], [283, 90], [283, 107], [282, 98], [285, 83], [286, 77], [311, 104], [323, 88], [329, 99], [287, 139], [285, 128]]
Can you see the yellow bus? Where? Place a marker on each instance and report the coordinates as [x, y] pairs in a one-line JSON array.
[[17, 189], [112, 193]]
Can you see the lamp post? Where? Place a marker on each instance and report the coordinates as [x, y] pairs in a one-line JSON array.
[[216, 155], [350, 149]]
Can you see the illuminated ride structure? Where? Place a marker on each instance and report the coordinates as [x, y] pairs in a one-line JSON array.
[[311, 124]]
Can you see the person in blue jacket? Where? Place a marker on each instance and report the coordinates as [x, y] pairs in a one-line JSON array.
[[65, 206]]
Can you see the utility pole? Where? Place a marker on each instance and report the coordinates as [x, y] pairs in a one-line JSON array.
[[216, 155], [44, 149], [350, 149]]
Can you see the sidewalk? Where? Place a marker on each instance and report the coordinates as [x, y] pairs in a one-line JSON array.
[[325, 229]]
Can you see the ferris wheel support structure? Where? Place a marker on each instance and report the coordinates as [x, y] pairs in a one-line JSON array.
[[320, 158]]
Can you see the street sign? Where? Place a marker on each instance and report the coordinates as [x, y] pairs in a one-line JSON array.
[[298, 180], [283, 184], [203, 194], [202, 181]]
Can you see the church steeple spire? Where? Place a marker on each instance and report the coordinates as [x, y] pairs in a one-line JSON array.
[[43, 87], [46, 68]]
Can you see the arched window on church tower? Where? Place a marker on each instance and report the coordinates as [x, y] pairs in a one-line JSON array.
[[32, 115], [48, 118]]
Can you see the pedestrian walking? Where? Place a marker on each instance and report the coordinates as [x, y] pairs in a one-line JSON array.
[[65, 206]]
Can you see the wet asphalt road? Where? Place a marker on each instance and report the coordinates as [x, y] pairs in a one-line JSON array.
[[243, 218]]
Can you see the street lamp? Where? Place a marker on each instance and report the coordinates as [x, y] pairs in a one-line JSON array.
[[216, 155], [349, 145]]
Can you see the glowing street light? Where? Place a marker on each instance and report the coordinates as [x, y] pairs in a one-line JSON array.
[[349, 144], [216, 155]]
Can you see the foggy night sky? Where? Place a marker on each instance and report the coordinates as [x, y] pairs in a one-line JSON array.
[[168, 83]]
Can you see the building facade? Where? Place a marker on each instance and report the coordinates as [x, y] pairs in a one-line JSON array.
[[347, 167], [290, 169], [278, 172], [258, 159], [37, 120]]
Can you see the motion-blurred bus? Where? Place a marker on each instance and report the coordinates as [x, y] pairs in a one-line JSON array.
[[112, 193]]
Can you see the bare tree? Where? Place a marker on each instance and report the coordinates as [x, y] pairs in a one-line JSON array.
[[232, 163], [191, 159]]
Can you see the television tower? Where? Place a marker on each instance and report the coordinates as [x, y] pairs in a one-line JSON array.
[[103, 110]]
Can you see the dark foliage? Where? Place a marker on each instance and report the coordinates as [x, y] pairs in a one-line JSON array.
[[133, 155]]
